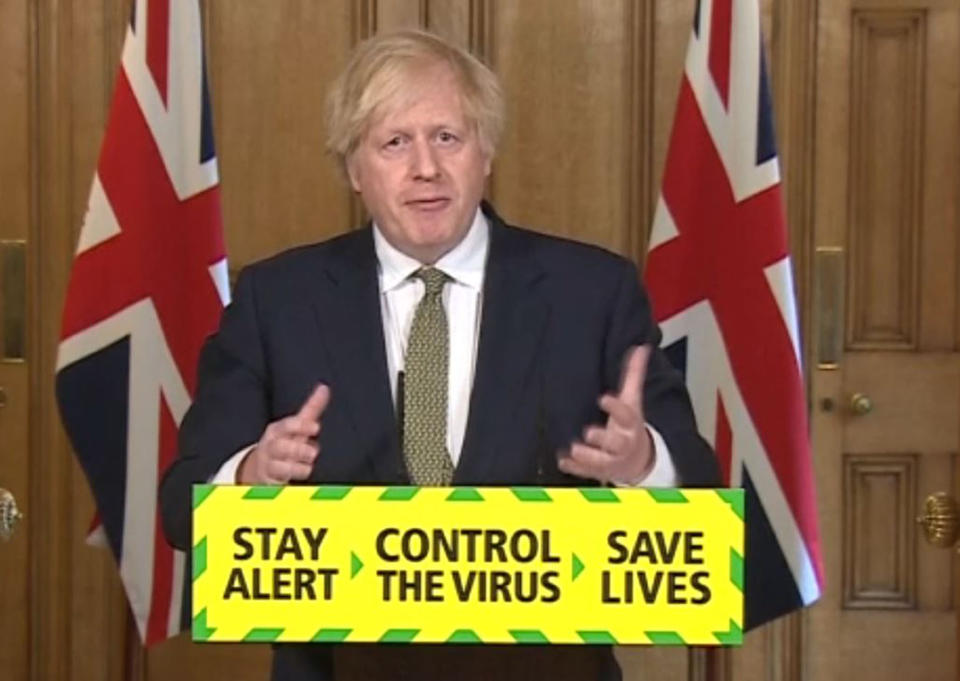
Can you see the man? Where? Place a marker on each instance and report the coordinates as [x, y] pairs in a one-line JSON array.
[[436, 346]]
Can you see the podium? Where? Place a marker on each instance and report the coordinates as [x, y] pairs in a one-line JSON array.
[[484, 581]]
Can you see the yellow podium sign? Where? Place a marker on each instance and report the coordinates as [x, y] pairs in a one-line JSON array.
[[468, 565]]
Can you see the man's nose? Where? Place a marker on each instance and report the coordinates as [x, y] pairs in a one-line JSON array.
[[425, 166]]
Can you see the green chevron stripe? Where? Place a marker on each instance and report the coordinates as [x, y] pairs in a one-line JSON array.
[[262, 635], [531, 494], [577, 567], [200, 631], [355, 564], [264, 492], [665, 638], [464, 636], [597, 637], [667, 496], [733, 637], [331, 493], [599, 495], [465, 494], [199, 558], [399, 635], [529, 636], [200, 493], [399, 493], [736, 569], [734, 497], [331, 635]]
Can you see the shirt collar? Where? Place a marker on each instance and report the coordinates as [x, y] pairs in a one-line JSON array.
[[464, 263]]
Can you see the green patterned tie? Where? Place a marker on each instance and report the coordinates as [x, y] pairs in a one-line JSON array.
[[425, 387]]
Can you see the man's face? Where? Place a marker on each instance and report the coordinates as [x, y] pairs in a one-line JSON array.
[[420, 170]]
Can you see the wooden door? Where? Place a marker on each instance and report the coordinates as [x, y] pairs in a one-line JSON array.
[[886, 374], [14, 395]]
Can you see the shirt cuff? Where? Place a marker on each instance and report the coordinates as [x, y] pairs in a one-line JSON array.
[[227, 474], [663, 473]]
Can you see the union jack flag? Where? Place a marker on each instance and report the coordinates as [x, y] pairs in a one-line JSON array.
[[719, 276], [148, 284]]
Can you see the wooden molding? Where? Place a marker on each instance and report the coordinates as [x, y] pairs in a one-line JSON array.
[[363, 18], [49, 490], [886, 160], [785, 651], [879, 560], [480, 30], [640, 193], [709, 664], [793, 75]]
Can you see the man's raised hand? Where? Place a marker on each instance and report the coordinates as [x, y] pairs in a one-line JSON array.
[[288, 447], [621, 450]]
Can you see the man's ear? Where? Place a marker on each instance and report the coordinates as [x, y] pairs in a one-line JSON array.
[[352, 172]]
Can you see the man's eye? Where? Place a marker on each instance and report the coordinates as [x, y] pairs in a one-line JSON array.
[[393, 143], [446, 137]]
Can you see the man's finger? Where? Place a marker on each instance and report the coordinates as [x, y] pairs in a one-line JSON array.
[[313, 408], [571, 467], [608, 439], [297, 427], [277, 471], [591, 458], [622, 413], [634, 374], [584, 461], [294, 450], [300, 471], [284, 471]]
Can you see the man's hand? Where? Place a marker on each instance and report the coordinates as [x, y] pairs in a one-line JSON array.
[[622, 450], [288, 447]]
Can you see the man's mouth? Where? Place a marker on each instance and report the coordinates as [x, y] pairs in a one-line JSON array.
[[428, 204]]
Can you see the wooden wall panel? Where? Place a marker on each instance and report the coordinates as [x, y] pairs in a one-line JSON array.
[[793, 30], [98, 650], [394, 14], [457, 22], [67, 577], [561, 164], [672, 24], [887, 104], [80, 53], [270, 67]]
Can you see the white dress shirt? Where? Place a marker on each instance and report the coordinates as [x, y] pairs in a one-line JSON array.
[[400, 294]]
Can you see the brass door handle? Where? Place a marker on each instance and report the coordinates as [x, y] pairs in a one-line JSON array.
[[940, 520], [860, 404], [10, 515]]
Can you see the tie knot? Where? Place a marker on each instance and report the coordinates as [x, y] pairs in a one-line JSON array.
[[433, 279]]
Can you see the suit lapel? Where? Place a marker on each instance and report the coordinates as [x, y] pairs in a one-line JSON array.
[[511, 327], [352, 330]]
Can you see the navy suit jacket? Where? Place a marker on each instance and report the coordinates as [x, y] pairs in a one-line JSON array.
[[556, 322]]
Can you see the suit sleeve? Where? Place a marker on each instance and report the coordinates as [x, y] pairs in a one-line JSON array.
[[665, 400], [229, 411]]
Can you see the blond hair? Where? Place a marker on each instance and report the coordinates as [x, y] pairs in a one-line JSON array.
[[382, 68]]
